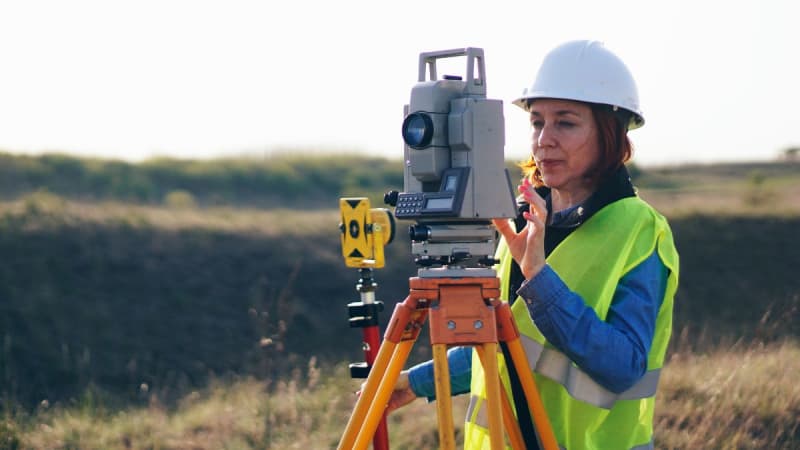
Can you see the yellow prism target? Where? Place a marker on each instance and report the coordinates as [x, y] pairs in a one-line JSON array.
[[364, 232]]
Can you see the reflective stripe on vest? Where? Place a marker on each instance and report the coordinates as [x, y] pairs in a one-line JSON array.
[[557, 366], [482, 420]]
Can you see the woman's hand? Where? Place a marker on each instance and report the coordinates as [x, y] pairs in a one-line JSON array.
[[527, 246], [401, 395]]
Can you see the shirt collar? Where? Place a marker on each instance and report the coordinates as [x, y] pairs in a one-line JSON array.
[[615, 187]]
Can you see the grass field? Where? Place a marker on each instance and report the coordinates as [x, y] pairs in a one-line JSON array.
[[712, 399], [184, 325]]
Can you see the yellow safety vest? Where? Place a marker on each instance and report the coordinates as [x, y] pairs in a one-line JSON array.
[[591, 261]]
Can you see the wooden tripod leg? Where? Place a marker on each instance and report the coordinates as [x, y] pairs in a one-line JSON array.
[[401, 333], [511, 424], [545, 431], [444, 403], [493, 392], [509, 419], [384, 391], [367, 394]]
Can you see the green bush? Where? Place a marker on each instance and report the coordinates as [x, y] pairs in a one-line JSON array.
[[290, 181]]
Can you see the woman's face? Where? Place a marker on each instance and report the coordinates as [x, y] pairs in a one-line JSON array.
[[565, 142]]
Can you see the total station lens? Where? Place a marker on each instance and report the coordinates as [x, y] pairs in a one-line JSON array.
[[418, 130]]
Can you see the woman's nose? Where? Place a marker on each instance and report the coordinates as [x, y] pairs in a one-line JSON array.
[[544, 136]]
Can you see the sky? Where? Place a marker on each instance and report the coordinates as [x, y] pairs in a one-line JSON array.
[[718, 80]]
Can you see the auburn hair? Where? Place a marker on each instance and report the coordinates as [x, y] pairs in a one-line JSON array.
[[614, 146]]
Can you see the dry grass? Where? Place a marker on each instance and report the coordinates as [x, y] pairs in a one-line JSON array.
[[727, 398], [299, 413], [743, 398]]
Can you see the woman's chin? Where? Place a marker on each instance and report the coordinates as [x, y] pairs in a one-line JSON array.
[[552, 181]]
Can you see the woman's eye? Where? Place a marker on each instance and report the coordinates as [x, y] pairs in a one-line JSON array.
[[564, 124], [537, 124]]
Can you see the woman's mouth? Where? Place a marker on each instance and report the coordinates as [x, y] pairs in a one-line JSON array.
[[546, 164]]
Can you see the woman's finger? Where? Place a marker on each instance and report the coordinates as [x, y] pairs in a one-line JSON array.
[[538, 207], [504, 227]]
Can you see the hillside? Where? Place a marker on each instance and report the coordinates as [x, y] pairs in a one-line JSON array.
[[112, 302]]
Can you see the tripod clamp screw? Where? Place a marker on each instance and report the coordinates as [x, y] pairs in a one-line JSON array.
[[364, 314]]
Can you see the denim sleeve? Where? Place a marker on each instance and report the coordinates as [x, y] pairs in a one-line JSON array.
[[459, 360], [613, 352]]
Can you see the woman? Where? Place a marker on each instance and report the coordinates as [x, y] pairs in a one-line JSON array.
[[590, 269]]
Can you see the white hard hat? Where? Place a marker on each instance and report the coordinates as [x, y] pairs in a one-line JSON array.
[[585, 71]]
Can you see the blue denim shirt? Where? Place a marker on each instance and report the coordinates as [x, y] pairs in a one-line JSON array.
[[613, 352]]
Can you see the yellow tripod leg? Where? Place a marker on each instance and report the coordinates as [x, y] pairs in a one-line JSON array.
[[535, 405], [444, 404], [493, 404], [367, 394], [509, 419], [511, 424], [382, 395]]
